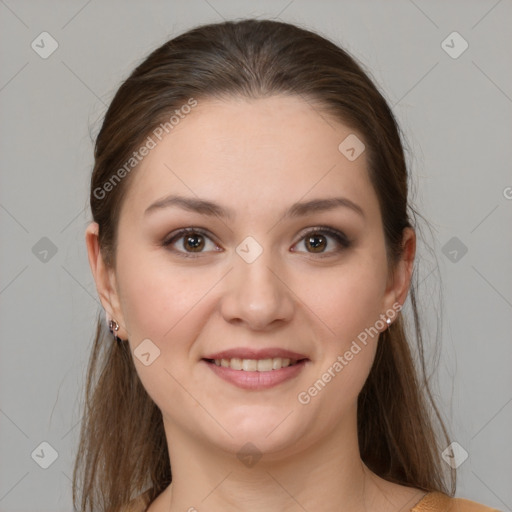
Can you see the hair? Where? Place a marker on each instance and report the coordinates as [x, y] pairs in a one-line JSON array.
[[401, 432]]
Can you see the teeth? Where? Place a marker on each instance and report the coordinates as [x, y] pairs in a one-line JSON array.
[[255, 365]]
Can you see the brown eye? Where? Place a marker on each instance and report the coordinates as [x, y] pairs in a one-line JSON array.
[[193, 240], [316, 241]]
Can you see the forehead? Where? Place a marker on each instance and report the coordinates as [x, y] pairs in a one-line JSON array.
[[254, 155]]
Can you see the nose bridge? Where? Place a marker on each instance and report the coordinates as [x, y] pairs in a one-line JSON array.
[[257, 295]]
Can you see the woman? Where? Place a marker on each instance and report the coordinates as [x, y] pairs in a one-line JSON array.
[[252, 247]]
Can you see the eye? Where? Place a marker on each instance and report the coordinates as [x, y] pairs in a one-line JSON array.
[[317, 240], [193, 241]]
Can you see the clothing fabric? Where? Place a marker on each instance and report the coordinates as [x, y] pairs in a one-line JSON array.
[[431, 502], [440, 502]]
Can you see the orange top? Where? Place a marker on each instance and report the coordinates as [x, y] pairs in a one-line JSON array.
[[440, 502], [431, 502]]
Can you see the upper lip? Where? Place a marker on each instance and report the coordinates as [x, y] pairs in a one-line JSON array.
[[251, 353]]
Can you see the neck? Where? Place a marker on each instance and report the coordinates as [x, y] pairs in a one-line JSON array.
[[327, 475]]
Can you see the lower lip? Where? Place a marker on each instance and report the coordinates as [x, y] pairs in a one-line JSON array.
[[257, 380]]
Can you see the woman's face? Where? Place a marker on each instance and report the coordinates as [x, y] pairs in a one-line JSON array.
[[259, 277]]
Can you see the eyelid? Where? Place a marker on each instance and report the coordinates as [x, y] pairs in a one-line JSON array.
[[180, 233], [336, 233], [184, 231], [342, 240], [340, 237]]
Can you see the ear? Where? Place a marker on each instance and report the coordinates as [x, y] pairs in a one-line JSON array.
[[400, 277], [105, 279]]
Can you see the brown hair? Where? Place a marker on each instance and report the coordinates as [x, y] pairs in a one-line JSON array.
[[398, 422]]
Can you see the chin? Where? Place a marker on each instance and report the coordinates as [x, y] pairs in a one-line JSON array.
[[270, 431]]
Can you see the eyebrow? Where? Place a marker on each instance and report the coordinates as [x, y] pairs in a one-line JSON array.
[[204, 207]]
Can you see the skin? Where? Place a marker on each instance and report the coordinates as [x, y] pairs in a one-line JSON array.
[[256, 157]]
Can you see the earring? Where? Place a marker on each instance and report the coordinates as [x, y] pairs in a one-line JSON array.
[[113, 327], [388, 321]]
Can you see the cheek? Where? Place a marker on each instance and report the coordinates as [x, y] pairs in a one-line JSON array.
[[347, 348], [347, 300], [157, 298], [162, 303], [170, 305], [347, 303]]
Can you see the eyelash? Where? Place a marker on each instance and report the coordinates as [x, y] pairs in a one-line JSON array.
[[340, 238]]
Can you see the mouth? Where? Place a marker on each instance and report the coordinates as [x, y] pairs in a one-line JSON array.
[[255, 365], [256, 370]]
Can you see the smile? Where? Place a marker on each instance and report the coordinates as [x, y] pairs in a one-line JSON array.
[[255, 365], [256, 374]]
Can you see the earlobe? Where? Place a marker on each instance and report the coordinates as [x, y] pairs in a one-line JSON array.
[[103, 275]]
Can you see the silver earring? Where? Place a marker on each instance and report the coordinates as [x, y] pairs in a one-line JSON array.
[[388, 321], [113, 327]]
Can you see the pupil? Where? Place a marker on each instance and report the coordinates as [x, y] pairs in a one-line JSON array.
[[317, 245], [195, 242]]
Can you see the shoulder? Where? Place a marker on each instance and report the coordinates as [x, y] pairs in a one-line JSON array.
[[440, 502]]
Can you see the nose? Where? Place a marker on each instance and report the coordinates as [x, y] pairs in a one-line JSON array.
[[256, 294]]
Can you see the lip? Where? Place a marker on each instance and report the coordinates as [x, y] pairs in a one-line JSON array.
[[256, 380], [251, 353]]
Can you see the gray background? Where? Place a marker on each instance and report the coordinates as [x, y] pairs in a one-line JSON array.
[[456, 115]]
